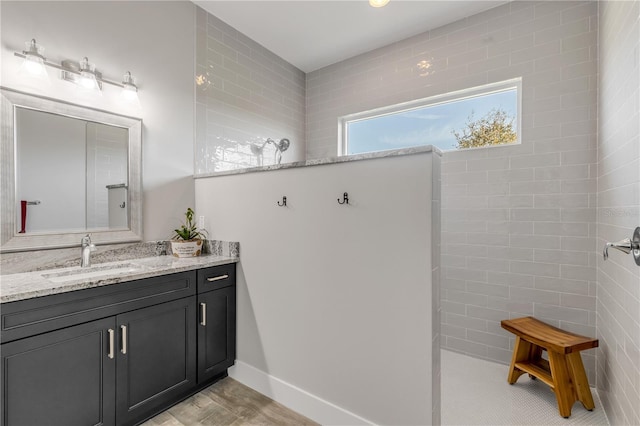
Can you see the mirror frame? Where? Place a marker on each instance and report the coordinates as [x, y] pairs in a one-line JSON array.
[[10, 240]]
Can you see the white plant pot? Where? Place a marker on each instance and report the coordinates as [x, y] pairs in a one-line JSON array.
[[189, 248]]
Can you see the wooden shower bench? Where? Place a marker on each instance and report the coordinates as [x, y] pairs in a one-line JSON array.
[[563, 372]]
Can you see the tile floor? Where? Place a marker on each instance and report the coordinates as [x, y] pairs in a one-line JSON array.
[[228, 402], [474, 392]]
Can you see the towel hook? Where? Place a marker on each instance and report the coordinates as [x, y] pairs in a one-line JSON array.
[[283, 203], [345, 199]]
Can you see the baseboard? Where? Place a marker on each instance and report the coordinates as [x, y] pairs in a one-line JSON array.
[[299, 400]]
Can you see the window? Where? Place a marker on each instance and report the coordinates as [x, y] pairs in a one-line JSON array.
[[470, 118]]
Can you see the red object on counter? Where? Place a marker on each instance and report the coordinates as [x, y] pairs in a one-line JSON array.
[[23, 214]]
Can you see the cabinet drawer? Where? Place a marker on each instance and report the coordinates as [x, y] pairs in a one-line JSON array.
[[33, 316], [216, 277]]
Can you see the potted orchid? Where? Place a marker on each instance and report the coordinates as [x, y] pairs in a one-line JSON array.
[[188, 240]]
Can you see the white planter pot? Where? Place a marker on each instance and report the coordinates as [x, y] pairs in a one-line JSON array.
[[189, 248]]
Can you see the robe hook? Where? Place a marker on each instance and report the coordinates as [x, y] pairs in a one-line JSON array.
[[345, 199]]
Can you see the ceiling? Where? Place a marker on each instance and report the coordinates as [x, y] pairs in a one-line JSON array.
[[313, 34]]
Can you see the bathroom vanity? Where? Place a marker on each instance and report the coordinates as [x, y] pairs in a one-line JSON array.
[[120, 351]]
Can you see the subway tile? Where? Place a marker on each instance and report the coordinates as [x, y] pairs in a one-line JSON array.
[[488, 239], [578, 272], [561, 313], [562, 257], [486, 314], [465, 321], [578, 186], [535, 268], [536, 160], [511, 279], [578, 215], [453, 331], [467, 347], [529, 214], [562, 172], [536, 187], [465, 298], [519, 294], [488, 164], [561, 229], [515, 309], [562, 285], [512, 253], [511, 201], [578, 301], [488, 289], [490, 339], [487, 264], [535, 241], [466, 274], [495, 176]]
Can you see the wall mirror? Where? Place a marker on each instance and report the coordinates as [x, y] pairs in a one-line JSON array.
[[67, 170]]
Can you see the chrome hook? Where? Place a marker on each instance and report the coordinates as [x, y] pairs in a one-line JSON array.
[[284, 202], [345, 199]]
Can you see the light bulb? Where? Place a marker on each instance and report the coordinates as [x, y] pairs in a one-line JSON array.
[[87, 79], [378, 3], [129, 90], [33, 63]]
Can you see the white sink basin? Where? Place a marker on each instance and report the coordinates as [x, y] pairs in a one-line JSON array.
[[92, 272]]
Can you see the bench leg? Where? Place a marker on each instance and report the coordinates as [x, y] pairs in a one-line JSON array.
[[580, 381], [561, 382], [521, 352]]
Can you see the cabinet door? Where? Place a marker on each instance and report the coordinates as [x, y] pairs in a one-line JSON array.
[[156, 358], [216, 332], [64, 377]]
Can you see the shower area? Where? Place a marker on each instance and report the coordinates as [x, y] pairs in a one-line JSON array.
[[523, 226]]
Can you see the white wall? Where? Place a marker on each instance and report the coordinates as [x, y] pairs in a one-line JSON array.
[[153, 40], [618, 308], [518, 221], [335, 302]]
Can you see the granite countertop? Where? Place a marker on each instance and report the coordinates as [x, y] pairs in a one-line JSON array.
[[28, 285], [329, 160]]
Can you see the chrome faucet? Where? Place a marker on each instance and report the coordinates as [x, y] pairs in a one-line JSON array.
[[85, 253]]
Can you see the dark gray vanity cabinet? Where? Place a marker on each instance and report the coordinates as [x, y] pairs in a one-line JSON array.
[[216, 321], [60, 378], [114, 355], [156, 358]]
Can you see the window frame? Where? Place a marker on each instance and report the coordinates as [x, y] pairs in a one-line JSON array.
[[458, 95]]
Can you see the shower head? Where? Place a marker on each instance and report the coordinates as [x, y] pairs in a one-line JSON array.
[[283, 145]]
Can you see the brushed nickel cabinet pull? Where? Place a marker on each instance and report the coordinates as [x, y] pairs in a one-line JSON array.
[[203, 314], [111, 342], [123, 329], [218, 278]]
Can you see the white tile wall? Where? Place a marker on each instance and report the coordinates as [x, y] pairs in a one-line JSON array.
[[245, 95], [518, 221], [618, 177]]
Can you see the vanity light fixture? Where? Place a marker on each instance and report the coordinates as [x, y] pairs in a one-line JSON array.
[[129, 88], [34, 60], [87, 79], [378, 3], [84, 73]]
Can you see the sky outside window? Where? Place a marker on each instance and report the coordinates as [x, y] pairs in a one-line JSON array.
[[429, 125]]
